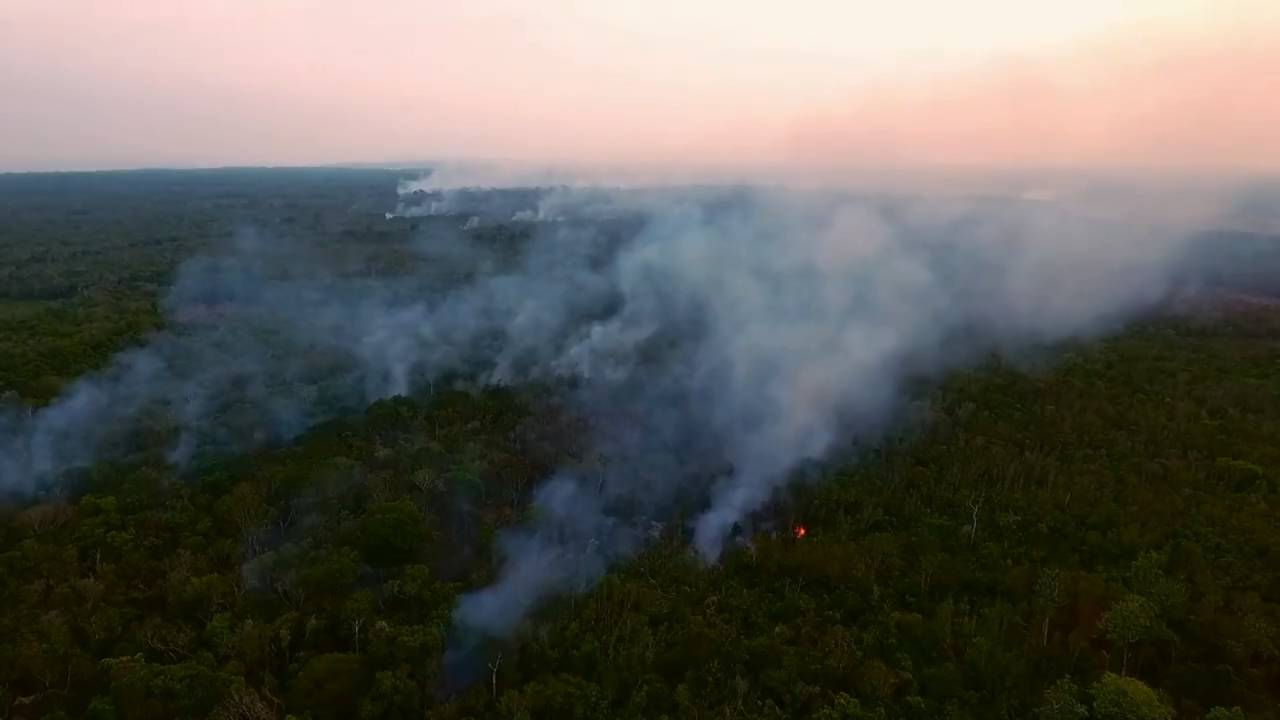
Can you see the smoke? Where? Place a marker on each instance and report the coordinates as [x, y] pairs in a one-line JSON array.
[[757, 330], [718, 338]]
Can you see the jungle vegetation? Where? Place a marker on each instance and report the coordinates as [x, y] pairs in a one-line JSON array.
[[1098, 537]]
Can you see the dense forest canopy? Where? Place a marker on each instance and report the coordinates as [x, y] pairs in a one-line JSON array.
[[1088, 532]]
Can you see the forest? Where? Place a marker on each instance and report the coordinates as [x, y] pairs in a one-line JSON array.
[[1089, 534]]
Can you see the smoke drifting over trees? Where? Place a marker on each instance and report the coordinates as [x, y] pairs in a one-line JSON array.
[[716, 338]]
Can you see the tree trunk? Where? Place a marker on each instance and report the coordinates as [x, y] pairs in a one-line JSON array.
[[494, 681]]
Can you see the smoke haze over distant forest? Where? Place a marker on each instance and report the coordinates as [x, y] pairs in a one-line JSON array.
[[716, 338], [843, 359]]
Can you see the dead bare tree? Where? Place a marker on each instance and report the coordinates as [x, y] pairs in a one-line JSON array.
[[975, 505], [493, 666]]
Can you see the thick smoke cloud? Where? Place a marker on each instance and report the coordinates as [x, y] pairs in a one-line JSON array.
[[717, 338], [755, 331]]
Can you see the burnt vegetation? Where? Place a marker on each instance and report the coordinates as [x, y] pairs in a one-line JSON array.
[[1097, 537]]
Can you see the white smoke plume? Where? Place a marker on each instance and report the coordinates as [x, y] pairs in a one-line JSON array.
[[756, 330], [718, 338]]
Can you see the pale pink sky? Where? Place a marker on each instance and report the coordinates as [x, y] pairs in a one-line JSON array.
[[843, 83]]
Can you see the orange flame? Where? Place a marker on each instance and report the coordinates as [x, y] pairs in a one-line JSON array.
[[799, 531]]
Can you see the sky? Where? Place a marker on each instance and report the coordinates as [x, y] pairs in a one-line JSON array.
[[1162, 84]]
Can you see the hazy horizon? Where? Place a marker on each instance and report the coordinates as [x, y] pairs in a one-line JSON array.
[[1160, 85]]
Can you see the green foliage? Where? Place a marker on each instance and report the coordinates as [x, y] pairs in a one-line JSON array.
[[84, 256], [1062, 702], [847, 708], [101, 708], [218, 595], [394, 696], [1131, 620], [1126, 501], [392, 533], [329, 573], [556, 696], [144, 690], [1123, 698]]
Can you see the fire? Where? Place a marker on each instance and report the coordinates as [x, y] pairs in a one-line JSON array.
[[799, 531]]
